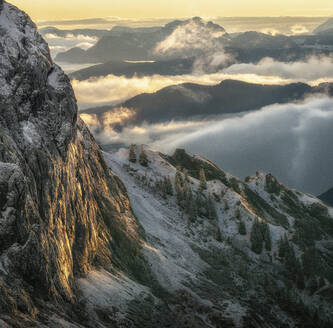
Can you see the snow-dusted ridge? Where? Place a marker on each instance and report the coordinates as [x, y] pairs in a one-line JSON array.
[[175, 246]]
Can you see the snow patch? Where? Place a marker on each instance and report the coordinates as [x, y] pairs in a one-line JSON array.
[[30, 133], [102, 288]]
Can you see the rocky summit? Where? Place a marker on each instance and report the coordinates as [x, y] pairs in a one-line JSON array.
[[137, 238]]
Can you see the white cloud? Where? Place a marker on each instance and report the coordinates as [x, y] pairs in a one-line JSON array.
[[115, 89], [60, 44], [292, 141], [188, 38], [299, 29], [314, 68]]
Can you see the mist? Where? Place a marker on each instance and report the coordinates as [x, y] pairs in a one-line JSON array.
[[292, 141], [116, 89], [60, 44], [314, 69]]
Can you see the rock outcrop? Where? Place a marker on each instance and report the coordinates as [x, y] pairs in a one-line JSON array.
[[62, 211]]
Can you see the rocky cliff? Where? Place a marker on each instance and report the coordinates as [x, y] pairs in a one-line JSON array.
[[62, 211]]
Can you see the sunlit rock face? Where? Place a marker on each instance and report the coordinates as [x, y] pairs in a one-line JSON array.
[[62, 209]]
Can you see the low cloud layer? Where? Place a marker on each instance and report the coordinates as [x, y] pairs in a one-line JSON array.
[[315, 68], [60, 44], [116, 89], [292, 141]]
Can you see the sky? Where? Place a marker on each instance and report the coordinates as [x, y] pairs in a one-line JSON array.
[[75, 9]]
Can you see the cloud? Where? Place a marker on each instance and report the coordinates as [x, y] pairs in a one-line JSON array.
[[314, 68], [212, 62], [294, 29], [299, 29], [190, 38], [116, 89], [292, 141], [270, 30], [113, 89], [89, 21], [59, 44], [270, 25]]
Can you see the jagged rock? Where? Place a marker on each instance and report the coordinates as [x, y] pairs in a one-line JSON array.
[[62, 210]]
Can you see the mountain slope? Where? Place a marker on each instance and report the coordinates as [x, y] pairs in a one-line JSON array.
[[140, 43], [193, 101], [327, 197], [324, 28], [130, 69], [235, 254]]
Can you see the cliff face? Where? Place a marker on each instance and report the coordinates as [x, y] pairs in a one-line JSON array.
[[220, 253], [62, 211]]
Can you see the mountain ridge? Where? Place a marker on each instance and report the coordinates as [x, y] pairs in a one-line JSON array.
[[327, 197], [135, 238], [195, 101]]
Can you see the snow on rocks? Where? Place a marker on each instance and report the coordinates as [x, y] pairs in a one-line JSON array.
[[30, 133], [168, 249], [102, 288]]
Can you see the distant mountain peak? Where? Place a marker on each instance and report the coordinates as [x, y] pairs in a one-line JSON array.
[[326, 27]]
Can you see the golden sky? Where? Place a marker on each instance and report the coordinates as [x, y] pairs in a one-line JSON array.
[[74, 9]]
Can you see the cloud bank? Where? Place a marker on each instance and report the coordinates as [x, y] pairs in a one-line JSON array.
[[60, 44], [116, 89], [292, 141], [314, 68]]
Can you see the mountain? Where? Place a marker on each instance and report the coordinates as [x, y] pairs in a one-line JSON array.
[[325, 28], [233, 253], [137, 238], [194, 38], [327, 197], [194, 101], [76, 32], [63, 211], [125, 43], [247, 47], [130, 69]]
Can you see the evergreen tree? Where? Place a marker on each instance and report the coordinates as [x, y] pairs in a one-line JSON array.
[[179, 176], [193, 214], [179, 184], [256, 237], [143, 159], [200, 204], [190, 208], [186, 177], [179, 192], [218, 235], [242, 228], [267, 236], [210, 209], [168, 186], [132, 154], [310, 262], [203, 181], [283, 246]]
